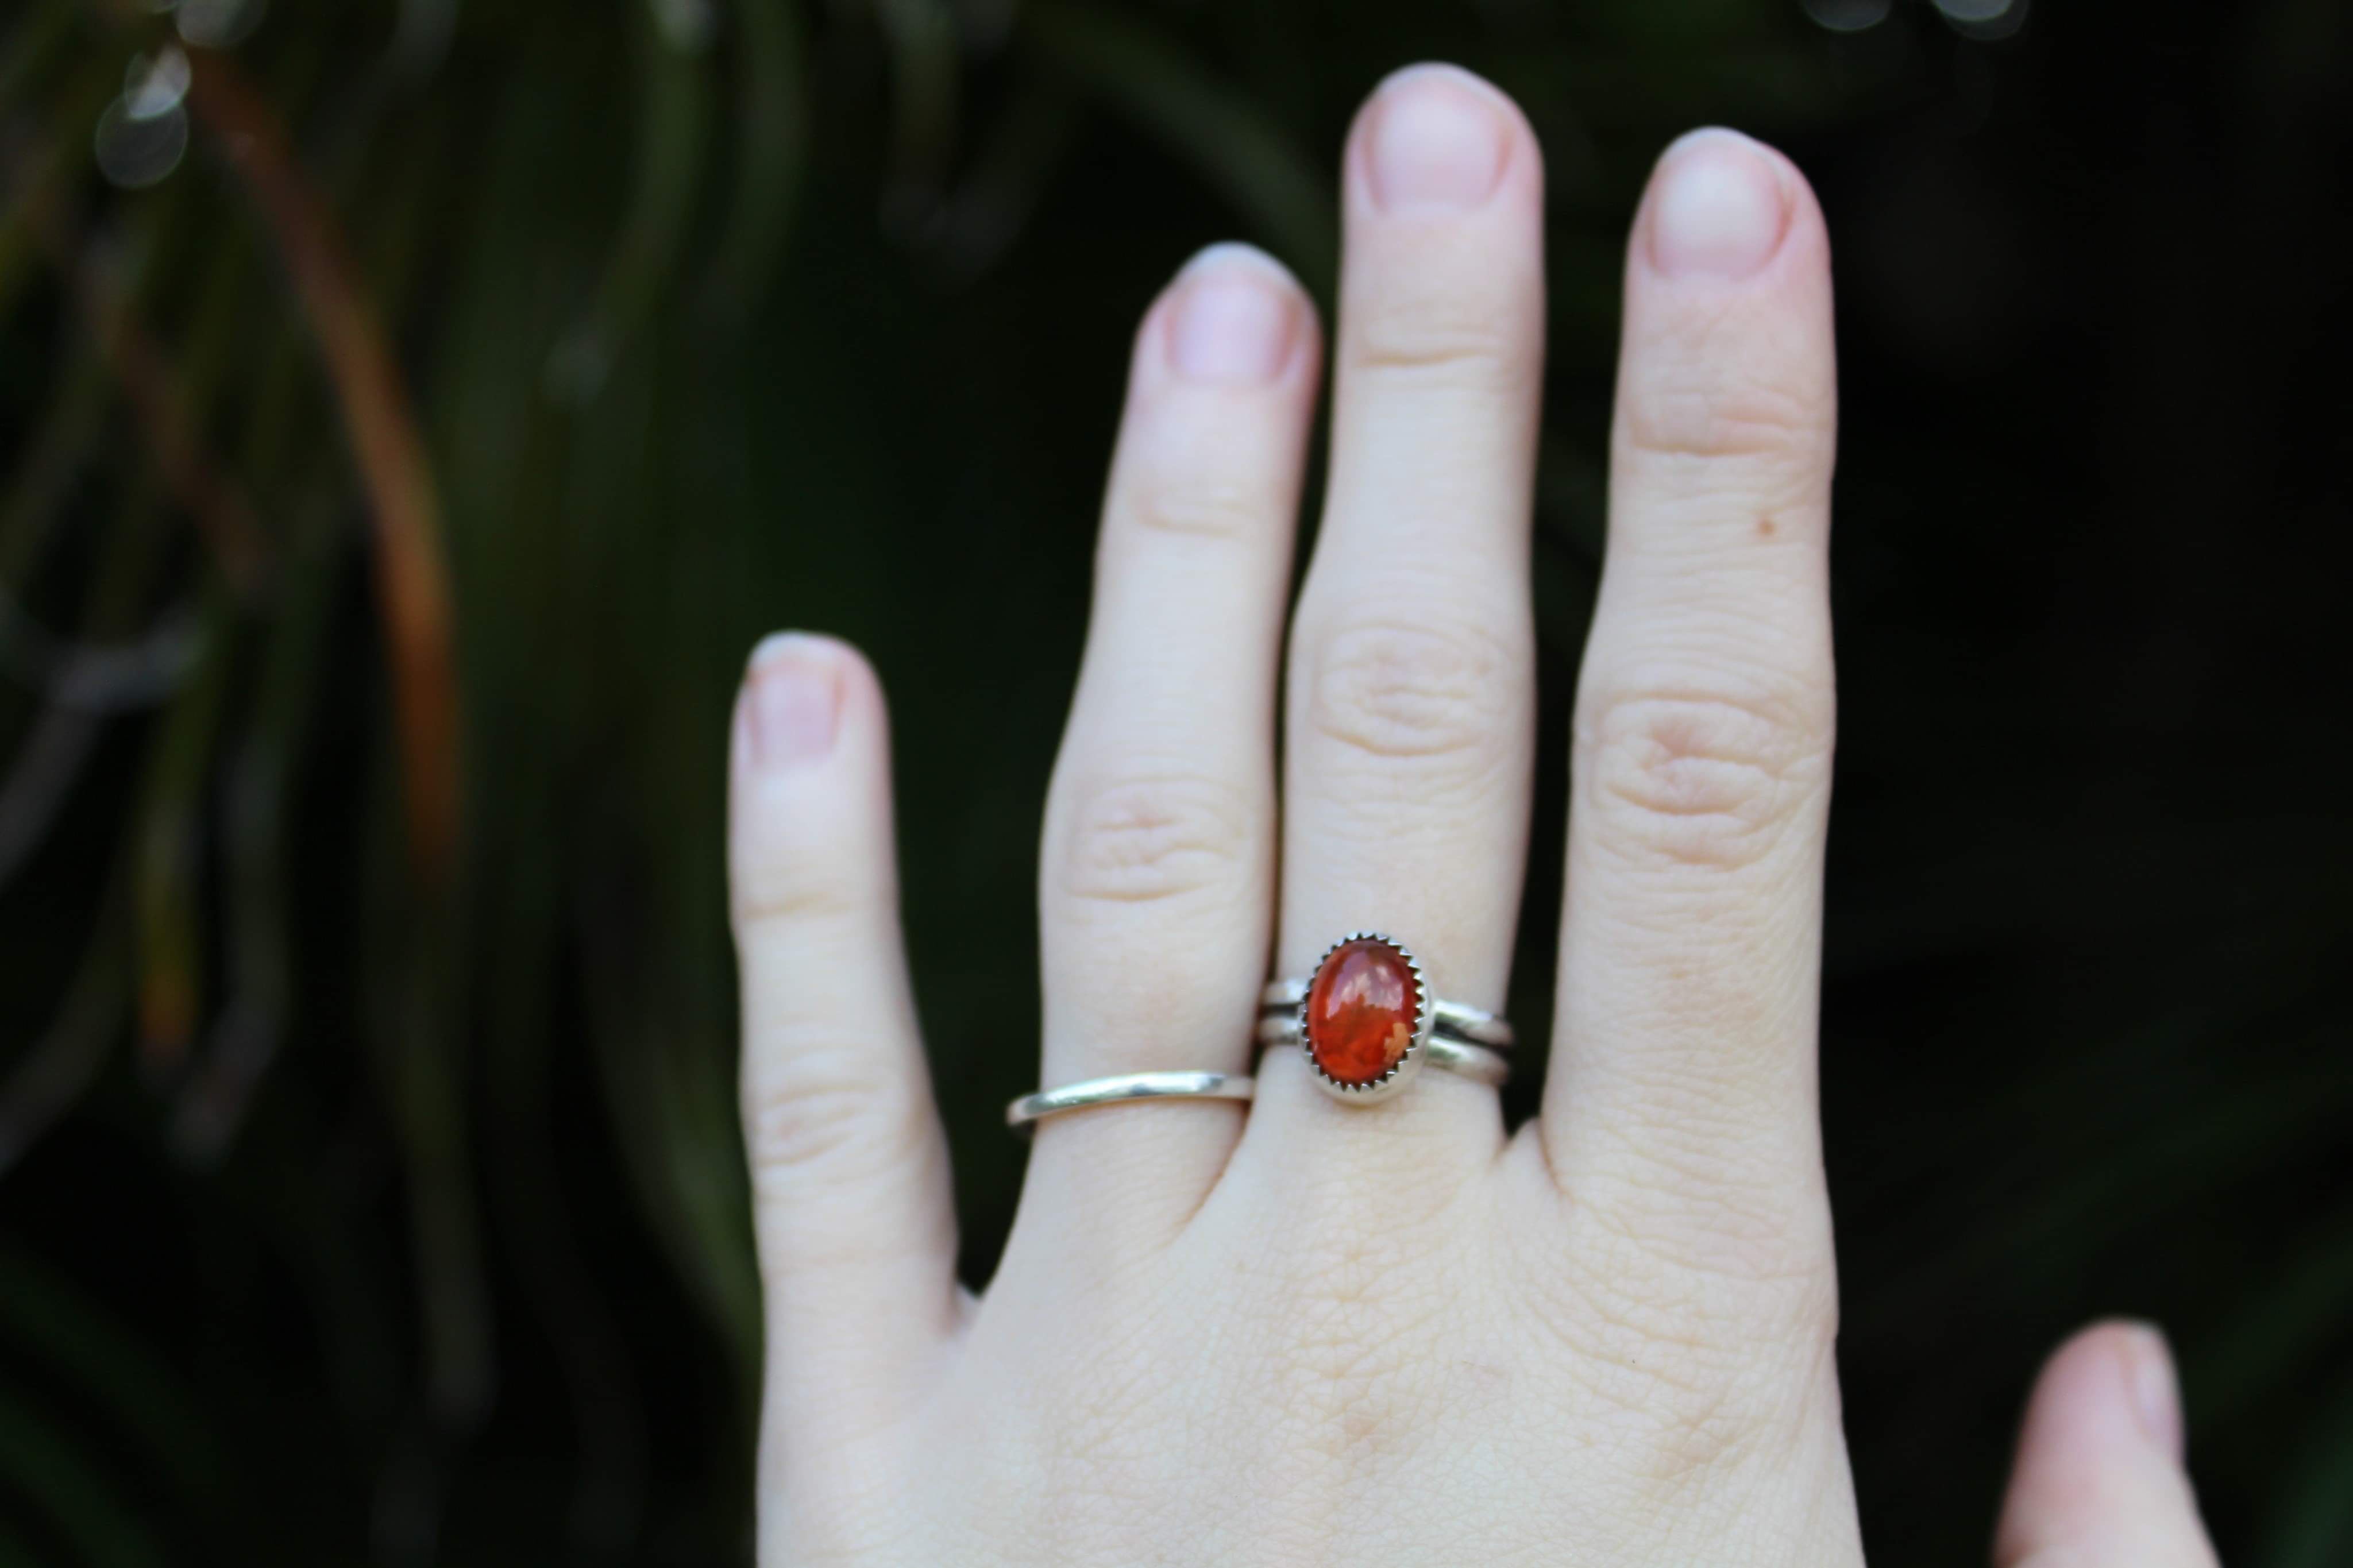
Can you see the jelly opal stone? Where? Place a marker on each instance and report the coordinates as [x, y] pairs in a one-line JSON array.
[[1361, 1011]]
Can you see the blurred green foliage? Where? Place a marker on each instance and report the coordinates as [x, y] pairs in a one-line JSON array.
[[360, 1202]]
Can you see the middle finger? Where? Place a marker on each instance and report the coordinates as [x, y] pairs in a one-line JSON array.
[[1411, 693]]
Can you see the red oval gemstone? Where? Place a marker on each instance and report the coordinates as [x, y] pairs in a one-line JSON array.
[[1360, 1011]]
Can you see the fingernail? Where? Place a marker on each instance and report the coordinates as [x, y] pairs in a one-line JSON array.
[[1720, 210], [2156, 1391], [794, 704], [1234, 318], [1437, 138]]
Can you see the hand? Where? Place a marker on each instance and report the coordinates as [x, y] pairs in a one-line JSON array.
[[1305, 1331]]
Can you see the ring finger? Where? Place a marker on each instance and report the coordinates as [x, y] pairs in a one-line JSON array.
[[1156, 886], [1411, 701]]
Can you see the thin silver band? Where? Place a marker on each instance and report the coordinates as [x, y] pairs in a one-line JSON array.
[[1481, 1063], [1460, 1019], [1126, 1085], [1475, 1062]]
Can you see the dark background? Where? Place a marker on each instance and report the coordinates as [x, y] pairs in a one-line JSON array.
[[368, 1190]]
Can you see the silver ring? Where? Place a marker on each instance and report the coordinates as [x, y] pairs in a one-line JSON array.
[[1365, 1022], [1091, 1093], [1475, 1026]]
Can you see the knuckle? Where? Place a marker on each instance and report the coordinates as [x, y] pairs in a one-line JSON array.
[[1141, 840], [1705, 778], [1200, 503], [831, 1107], [788, 897], [1727, 419], [1445, 336], [1396, 689]]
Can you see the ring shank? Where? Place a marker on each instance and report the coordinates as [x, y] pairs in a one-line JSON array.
[[1091, 1093], [1483, 1064]]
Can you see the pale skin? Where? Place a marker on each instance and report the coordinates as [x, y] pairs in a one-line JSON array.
[[1305, 1333]]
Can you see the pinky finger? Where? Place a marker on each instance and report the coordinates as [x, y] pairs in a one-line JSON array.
[[2099, 1481], [851, 1208]]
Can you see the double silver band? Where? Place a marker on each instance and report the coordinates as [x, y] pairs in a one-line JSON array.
[[1090, 1092], [1475, 1026], [1470, 1041], [1481, 1063]]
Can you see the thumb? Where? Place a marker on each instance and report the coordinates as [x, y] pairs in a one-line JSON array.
[[2098, 1482]]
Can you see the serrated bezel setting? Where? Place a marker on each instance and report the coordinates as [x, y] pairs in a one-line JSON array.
[[1401, 1072]]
